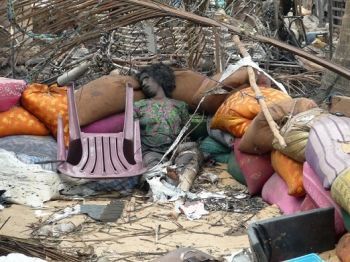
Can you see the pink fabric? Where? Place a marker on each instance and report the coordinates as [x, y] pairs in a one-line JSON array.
[[308, 204], [320, 196], [256, 169], [10, 92], [275, 191], [111, 124]]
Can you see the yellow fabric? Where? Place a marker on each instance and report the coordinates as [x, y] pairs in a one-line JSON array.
[[290, 171], [46, 103], [18, 121], [237, 112], [341, 190]]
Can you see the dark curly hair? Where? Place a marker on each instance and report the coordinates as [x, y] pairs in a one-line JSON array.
[[162, 74]]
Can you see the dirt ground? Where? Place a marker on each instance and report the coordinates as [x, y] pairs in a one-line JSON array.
[[133, 237]]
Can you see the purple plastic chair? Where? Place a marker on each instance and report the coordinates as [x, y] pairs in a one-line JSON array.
[[100, 155]]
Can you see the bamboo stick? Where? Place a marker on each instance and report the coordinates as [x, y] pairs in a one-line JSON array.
[[73, 74], [261, 100]]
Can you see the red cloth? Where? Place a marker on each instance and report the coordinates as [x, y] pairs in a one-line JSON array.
[[256, 169]]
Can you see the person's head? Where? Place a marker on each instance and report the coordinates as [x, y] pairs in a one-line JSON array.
[[156, 80]]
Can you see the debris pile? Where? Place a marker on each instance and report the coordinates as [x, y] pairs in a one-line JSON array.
[[200, 117]]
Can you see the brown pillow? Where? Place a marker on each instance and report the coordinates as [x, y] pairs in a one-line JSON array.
[[237, 81], [187, 84], [258, 138], [211, 102], [103, 97]]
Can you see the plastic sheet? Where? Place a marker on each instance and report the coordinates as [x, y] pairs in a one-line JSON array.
[[32, 149]]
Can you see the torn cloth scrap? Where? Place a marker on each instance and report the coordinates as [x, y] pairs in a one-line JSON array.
[[26, 184]]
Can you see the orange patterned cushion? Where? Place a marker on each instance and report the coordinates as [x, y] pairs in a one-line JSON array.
[[290, 171], [46, 103], [18, 121], [236, 113]]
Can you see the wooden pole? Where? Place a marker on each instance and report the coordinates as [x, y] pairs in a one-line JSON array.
[[330, 16], [273, 126], [12, 33], [218, 54]]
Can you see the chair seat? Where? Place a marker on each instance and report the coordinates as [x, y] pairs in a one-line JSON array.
[[100, 155], [102, 158]]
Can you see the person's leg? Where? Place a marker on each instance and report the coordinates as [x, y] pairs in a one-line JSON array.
[[188, 161], [150, 158]]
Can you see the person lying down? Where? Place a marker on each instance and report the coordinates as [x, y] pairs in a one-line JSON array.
[[162, 119]]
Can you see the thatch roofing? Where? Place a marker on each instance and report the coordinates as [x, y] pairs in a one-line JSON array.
[[61, 24]]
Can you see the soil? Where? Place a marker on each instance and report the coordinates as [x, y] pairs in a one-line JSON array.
[[133, 237]]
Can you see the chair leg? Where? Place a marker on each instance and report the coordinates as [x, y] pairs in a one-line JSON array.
[[137, 142], [74, 127], [61, 150], [128, 143], [129, 111]]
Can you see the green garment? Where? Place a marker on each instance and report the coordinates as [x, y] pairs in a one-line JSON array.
[[161, 121]]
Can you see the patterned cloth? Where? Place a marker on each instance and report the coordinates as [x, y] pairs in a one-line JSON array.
[[47, 103], [239, 109], [122, 185], [160, 122]]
